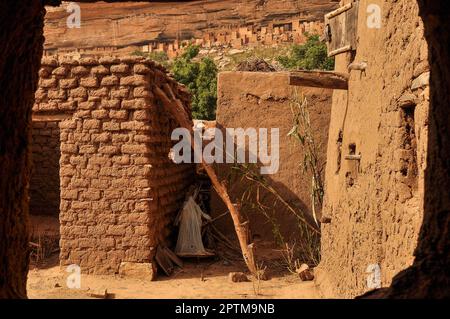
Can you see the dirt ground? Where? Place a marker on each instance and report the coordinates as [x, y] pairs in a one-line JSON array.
[[202, 279], [199, 278]]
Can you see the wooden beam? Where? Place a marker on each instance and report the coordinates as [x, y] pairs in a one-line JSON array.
[[320, 79]]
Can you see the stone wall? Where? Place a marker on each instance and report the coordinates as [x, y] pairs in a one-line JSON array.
[[264, 100], [44, 184], [119, 190], [376, 204]]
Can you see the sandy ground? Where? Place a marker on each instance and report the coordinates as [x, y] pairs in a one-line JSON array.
[[199, 279]]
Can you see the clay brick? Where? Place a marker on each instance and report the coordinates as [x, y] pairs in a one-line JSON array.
[[100, 70], [110, 80], [69, 148], [112, 194], [57, 94], [135, 149], [135, 125], [134, 80], [80, 70], [88, 61], [138, 103], [107, 60], [118, 114], [109, 149], [50, 106], [142, 92], [91, 124], [88, 105], [101, 137], [116, 230], [87, 149], [40, 94], [121, 138], [45, 72], [141, 115], [90, 195], [102, 92], [61, 71], [111, 126], [69, 194], [68, 124], [80, 205], [121, 160], [82, 137], [82, 114], [78, 160], [107, 242], [100, 183], [79, 92], [120, 68], [141, 69], [110, 104], [48, 83], [120, 93], [89, 82], [67, 106], [100, 114]]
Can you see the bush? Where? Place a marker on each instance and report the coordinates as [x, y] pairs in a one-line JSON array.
[[201, 80], [309, 56]]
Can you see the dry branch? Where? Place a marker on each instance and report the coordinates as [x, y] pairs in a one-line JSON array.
[[177, 110]]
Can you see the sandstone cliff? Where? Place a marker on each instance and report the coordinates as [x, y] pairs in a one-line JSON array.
[[125, 24]]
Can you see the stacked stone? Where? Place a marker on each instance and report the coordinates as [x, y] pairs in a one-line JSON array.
[[119, 189], [44, 185]]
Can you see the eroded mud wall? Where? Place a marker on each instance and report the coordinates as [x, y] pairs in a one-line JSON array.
[[376, 204], [265, 100]]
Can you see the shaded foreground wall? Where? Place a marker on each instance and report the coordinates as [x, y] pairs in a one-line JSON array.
[[44, 183], [376, 205], [264, 100], [119, 189]]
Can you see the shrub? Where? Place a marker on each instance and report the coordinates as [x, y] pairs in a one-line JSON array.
[[200, 77], [309, 56]]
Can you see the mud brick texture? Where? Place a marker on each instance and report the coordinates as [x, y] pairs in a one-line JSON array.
[[119, 191]]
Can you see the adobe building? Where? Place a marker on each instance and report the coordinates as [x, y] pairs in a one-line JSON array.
[[101, 141], [377, 148]]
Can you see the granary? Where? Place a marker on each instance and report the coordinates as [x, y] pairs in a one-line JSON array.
[[101, 141]]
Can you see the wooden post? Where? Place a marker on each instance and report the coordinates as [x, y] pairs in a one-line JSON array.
[[177, 110]]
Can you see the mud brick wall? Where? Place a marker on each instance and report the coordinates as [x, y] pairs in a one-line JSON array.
[[376, 205], [264, 100], [44, 184], [119, 190]]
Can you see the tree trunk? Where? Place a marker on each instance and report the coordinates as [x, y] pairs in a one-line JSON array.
[[177, 110], [21, 39]]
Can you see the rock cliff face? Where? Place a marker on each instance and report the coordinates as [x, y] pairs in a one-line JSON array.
[[126, 24]]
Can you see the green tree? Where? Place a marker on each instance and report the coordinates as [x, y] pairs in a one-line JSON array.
[[200, 77], [309, 56]]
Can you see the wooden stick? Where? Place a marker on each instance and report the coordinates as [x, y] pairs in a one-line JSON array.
[[321, 79], [177, 110]]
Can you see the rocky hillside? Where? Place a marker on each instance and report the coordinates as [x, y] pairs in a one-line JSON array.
[[125, 24]]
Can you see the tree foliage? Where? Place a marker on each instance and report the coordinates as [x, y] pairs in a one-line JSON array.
[[200, 77], [309, 56]]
